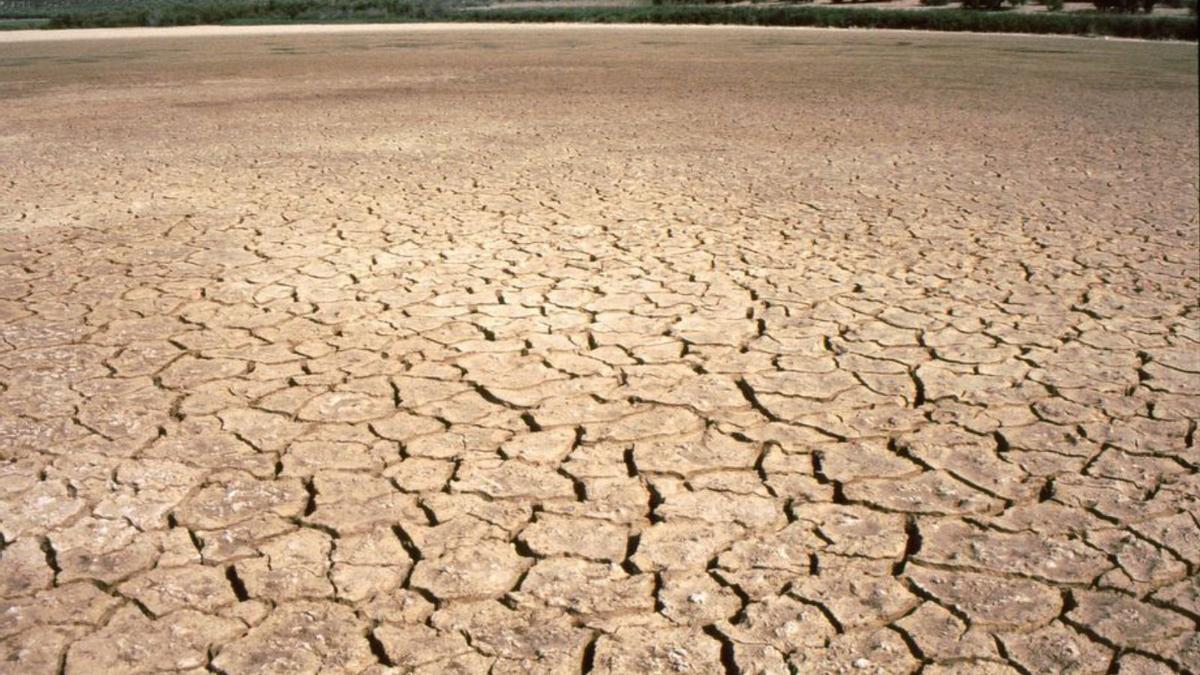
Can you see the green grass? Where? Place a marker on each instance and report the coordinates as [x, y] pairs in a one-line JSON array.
[[92, 13]]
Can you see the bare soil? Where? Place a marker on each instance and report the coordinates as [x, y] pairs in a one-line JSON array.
[[630, 350]]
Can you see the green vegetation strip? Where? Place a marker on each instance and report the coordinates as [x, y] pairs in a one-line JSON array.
[[1153, 27], [22, 24], [243, 11], [294, 11]]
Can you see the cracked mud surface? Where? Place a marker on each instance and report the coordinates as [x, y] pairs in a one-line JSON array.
[[639, 351]]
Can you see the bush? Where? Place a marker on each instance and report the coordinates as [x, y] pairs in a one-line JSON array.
[[282, 11], [715, 2], [257, 11], [990, 4], [1124, 6], [1054, 5], [935, 3]]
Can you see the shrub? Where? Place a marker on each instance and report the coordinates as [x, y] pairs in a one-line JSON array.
[[1124, 6], [935, 3], [1054, 5], [281, 11], [989, 4]]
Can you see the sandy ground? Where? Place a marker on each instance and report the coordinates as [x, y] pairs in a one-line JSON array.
[[542, 349]]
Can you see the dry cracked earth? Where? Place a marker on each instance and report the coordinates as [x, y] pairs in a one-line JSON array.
[[561, 350]]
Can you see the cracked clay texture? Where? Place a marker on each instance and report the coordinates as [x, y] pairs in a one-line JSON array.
[[555, 350]]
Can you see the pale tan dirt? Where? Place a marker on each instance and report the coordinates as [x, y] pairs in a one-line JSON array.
[[644, 351]]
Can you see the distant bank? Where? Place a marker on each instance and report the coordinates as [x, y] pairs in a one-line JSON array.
[[97, 13]]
